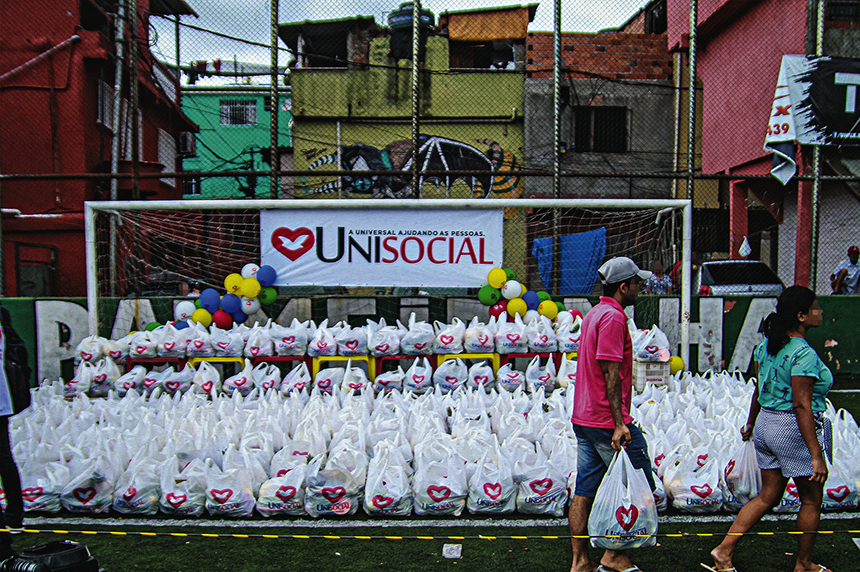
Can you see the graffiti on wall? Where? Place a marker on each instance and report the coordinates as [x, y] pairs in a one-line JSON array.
[[435, 154]]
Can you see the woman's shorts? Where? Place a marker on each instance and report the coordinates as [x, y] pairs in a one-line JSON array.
[[779, 444]]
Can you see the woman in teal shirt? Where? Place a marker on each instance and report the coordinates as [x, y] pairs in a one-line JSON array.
[[787, 424]]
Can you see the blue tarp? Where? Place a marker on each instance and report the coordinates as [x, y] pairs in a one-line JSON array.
[[581, 256]]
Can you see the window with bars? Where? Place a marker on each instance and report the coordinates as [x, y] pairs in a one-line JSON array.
[[599, 129], [238, 112]]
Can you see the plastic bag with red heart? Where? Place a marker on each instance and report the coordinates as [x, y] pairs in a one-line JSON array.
[[228, 493], [329, 378], [246, 459], [449, 337], [418, 339], [322, 341], [81, 383], [351, 341], [541, 337], [117, 350], [538, 377], [297, 379], [653, 346], [419, 376], [138, 489], [41, 486], [266, 376], [206, 379], [226, 343], [541, 486], [171, 342], [290, 340], [511, 337], [183, 492], [388, 380], [143, 345], [90, 490], [259, 342], [568, 330], [90, 349], [510, 379], [481, 376], [439, 487], [284, 494], [243, 382], [130, 381], [694, 489], [337, 489], [104, 375], [840, 490], [382, 340], [478, 338], [450, 375], [174, 382], [354, 379], [567, 373], [742, 477], [199, 342], [388, 491]]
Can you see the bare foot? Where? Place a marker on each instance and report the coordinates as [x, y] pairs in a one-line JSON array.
[[722, 560], [587, 566]]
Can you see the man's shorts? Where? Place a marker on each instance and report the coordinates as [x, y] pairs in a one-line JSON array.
[[594, 453]]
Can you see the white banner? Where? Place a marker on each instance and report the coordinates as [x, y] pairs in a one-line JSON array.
[[429, 248]]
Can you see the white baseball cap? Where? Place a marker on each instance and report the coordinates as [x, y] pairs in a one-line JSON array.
[[619, 269]]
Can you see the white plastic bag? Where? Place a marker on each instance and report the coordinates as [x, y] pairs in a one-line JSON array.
[[290, 340], [354, 378], [541, 337], [623, 508], [174, 382], [199, 342], [481, 376], [538, 377], [137, 490], [131, 381], [449, 337], [491, 488], [511, 336], [243, 382], [226, 343], [389, 380], [41, 490], [297, 379], [742, 477], [284, 494], [228, 493], [568, 331], [654, 346], [172, 342], [259, 342], [143, 345], [567, 373], [478, 338], [329, 378], [388, 491], [510, 379], [351, 341], [694, 489], [90, 491], [419, 376], [450, 375], [206, 379], [91, 349], [104, 375], [183, 493], [267, 376], [440, 487], [382, 340], [117, 350], [322, 342], [418, 339], [81, 383]]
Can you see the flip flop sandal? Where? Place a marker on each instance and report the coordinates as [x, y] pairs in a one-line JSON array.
[[603, 568], [715, 569]]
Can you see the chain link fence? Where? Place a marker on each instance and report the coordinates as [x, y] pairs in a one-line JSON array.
[[239, 99]]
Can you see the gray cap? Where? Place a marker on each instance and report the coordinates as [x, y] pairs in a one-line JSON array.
[[619, 269]]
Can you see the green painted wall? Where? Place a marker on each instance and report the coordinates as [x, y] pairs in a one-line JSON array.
[[232, 147]]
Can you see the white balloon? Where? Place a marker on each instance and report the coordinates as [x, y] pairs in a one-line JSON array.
[[183, 310], [250, 305], [250, 270], [512, 289], [531, 316]]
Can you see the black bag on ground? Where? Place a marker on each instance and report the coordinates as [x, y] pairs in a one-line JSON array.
[[16, 364], [57, 556]]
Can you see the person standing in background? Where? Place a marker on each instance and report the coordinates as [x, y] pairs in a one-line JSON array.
[[659, 283], [13, 516], [846, 278]]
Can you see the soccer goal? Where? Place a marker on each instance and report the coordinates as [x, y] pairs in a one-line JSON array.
[[435, 247]]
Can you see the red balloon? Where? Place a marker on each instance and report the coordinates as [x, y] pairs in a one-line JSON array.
[[574, 312], [222, 319], [498, 308]]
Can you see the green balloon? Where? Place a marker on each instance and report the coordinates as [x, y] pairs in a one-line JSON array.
[[511, 274], [197, 303], [561, 307], [267, 295], [489, 295], [151, 326], [544, 296]]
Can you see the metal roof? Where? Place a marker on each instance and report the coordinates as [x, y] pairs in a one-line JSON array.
[[171, 8]]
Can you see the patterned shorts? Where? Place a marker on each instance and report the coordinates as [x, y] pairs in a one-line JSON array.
[[779, 444]]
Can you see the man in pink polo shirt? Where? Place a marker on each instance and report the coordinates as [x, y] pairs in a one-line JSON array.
[[601, 406]]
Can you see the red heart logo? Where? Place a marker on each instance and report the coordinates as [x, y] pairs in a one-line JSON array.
[[254, 351], [289, 339], [493, 490], [380, 501], [300, 385], [417, 378], [382, 348], [383, 381], [351, 344], [541, 487], [658, 460], [702, 460], [334, 495], [703, 490], [513, 337], [268, 384], [31, 494], [451, 380], [240, 382], [207, 387], [284, 234], [198, 344], [149, 382], [100, 378], [729, 468], [446, 339], [513, 375], [283, 472], [438, 494], [839, 493], [285, 493], [169, 345], [544, 378], [481, 379], [322, 345], [175, 500], [300, 453], [483, 339], [626, 517], [544, 339], [420, 345], [86, 356], [324, 383], [221, 495], [355, 385], [129, 494], [652, 349], [791, 489], [171, 385], [115, 354], [222, 345], [140, 349], [84, 495]]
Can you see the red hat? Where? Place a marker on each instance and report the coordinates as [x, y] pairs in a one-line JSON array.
[[853, 250]]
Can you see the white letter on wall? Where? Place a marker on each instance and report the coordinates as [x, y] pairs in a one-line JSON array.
[[49, 315]]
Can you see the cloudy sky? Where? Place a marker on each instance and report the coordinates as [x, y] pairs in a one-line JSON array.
[[249, 20]]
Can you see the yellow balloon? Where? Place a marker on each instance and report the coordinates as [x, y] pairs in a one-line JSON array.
[[202, 316], [233, 283], [549, 309], [497, 278], [251, 287], [676, 364], [517, 306]]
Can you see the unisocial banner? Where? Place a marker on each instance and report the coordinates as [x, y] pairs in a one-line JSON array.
[[428, 248]]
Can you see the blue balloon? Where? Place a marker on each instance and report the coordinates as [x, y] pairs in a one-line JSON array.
[[240, 317], [531, 299], [266, 275], [181, 325], [231, 303], [210, 299]]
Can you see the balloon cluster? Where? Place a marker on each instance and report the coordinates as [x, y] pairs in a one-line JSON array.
[[503, 293], [246, 292]]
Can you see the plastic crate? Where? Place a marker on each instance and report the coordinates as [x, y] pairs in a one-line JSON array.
[[645, 372]]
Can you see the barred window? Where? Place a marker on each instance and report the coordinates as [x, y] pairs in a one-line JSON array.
[[238, 112], [600, 129]]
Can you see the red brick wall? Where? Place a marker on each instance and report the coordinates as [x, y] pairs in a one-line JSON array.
[[613, 55]]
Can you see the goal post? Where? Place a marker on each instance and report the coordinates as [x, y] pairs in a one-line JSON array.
[[135, 233]]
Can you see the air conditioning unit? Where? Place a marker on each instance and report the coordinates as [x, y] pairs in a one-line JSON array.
[[187, 144]]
